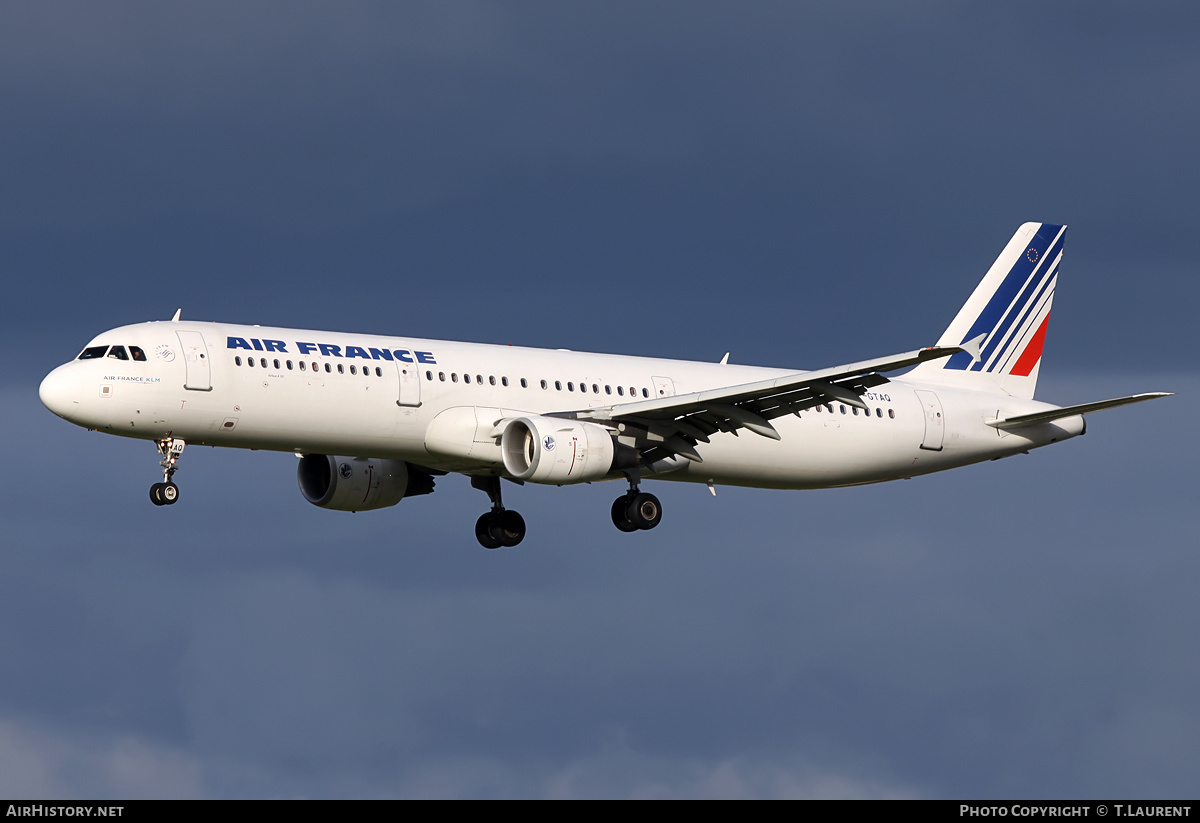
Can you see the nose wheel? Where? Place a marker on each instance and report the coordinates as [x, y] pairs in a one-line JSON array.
[[166, 492]]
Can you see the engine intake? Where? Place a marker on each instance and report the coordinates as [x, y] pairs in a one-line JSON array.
[[356, 484], [549, 450]]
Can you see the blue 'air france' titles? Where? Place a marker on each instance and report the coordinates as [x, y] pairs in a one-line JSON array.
[[330, 350]]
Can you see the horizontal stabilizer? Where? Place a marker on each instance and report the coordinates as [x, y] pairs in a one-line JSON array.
[[1071, 411]]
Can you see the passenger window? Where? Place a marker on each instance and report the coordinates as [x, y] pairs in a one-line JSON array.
[[843, 408], [621, 390], [93, 352], [378, 372], [328, 368], [479, 379], [879, 412], [466, 378], [892, 414], [276, 364], [595, 389], [315, 366], [263, 361], [570, 386], [250, 362], [645, 392], [524, 383], [544, 385], [137, 353], [353, 369], [289, 365], [453, 377], [503, 381], [302, 366], [608, 389], [340, 369], [118, 353], [492, 379], [558, 385]]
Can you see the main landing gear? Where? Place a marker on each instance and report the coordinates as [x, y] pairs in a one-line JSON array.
[[635, 509], [500, 526], [166, 492]]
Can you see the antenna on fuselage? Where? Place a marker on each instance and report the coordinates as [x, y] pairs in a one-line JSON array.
[[175, 319]]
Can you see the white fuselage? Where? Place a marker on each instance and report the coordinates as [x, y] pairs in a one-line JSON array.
[[375, 396]]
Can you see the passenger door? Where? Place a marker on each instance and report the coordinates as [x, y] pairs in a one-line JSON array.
[[935, 424], [195, 359], [410, 384]]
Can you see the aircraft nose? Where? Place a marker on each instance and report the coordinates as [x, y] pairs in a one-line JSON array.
[[60, 391]]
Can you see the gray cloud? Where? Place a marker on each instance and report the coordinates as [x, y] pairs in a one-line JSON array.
[[42, 762], [1015, 629], [802, 187]]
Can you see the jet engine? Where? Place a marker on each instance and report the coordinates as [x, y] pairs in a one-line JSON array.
[[549, 450], [356, 484]]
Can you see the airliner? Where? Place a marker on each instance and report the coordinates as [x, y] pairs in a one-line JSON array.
[[375, 419]]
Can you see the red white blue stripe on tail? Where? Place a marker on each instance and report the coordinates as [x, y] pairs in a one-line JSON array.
[[1002, 327]]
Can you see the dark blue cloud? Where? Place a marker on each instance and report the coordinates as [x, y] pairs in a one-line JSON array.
[[1027, 621], [802, 187]]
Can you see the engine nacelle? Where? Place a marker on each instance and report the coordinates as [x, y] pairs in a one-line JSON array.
[[549, 450], [356, 484]]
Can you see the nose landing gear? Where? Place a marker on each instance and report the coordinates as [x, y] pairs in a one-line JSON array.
[[166, 492]]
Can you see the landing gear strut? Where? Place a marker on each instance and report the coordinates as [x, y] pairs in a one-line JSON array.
[[635, 509], [166, 492], [500, 526]]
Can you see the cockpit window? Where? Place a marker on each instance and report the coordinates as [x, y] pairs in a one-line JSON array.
[[118, 353], [137, 353], [92, 352]]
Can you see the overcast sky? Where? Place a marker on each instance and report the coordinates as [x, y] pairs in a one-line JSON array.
[[799, 185]]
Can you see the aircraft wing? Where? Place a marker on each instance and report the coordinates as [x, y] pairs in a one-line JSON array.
[[673, 425]]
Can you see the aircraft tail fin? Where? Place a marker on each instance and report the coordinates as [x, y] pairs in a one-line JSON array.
[[1002, 326]]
